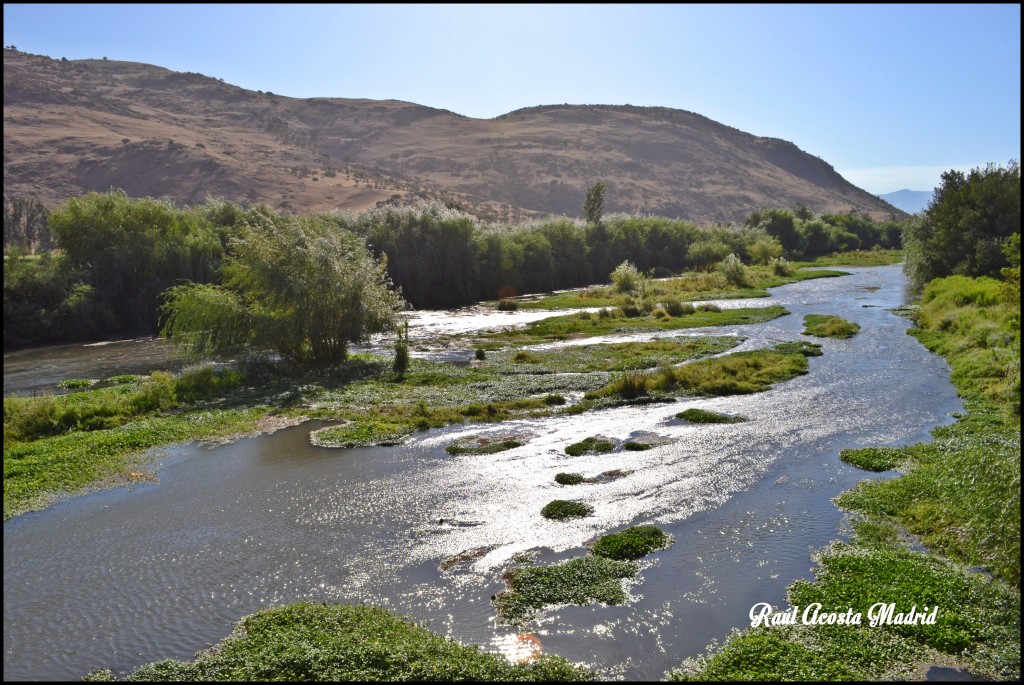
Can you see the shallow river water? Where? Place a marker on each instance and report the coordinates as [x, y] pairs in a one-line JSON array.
[[123, 577]]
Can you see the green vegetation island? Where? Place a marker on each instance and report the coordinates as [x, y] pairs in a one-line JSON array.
[[223, 283]]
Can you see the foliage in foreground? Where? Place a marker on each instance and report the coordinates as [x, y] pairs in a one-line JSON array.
[[977, 624], [340, 642], [961, 496], [578, 581]]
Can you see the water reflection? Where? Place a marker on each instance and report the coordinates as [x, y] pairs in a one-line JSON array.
[[120, 578]]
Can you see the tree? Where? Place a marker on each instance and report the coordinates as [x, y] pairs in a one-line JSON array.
[[966, 226], [131, 250], [25, 225], [296, 286], [593, 207], [781, 224]]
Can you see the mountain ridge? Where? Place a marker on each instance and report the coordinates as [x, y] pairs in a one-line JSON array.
[[72, 126]]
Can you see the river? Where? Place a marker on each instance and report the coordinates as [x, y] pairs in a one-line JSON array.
[[123, 577]]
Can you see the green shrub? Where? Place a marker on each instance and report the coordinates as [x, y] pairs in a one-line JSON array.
[[632, 309], [554, 399], [401, 364], [561, 510], [708, 307], [524, 357], [507, 305], [629, 384], [627, 279], [204, 382], [480, 354], [678, 308], [568, 478], [732, 268], [634, 446], [781, 267], [632, 543], [157, 393]]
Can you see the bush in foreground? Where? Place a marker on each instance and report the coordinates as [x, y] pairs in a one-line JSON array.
[[337, 642]]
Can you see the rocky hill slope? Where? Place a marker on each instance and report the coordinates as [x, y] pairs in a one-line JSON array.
[[81, 125]]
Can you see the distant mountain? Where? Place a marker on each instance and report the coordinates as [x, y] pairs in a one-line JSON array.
[[910, 201], [71, 126]]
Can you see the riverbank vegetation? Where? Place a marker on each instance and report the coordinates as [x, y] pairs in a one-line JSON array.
[[333, 643], [960, 496], [112, 257], [62, 444]]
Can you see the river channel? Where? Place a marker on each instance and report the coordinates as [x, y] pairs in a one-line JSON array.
[[123, 577]]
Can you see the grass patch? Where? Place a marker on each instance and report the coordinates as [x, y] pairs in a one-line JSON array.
[[636, 446], [483, 446], [704, 416], [580, 581], [825, 326], [671, 292], [616, 357], [571, 325], [857, 258], [362, 434], [733, 374], [632, 543], [594, 444], [569, 478], [874, 458], [339, 642], [562, 510], [36, 472]]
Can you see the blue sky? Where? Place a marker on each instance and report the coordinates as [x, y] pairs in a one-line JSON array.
[[890, 95]]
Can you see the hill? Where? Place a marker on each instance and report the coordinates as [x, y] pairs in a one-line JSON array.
[[910, 201], [71, 126]]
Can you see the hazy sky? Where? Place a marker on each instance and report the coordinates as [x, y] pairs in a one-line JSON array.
[[890, 95]]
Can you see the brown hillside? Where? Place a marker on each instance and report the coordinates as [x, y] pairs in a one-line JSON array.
[[75, 126]]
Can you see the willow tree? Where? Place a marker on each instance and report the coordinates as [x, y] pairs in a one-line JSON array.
[[299, 287]]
